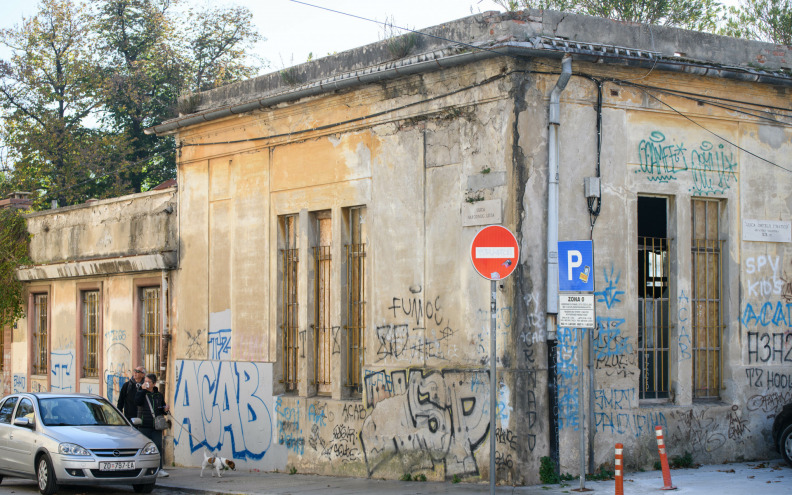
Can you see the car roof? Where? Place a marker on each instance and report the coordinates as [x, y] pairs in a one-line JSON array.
[[47, 395]]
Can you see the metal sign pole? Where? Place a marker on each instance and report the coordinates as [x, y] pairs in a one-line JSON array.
[[581, 416], [493, 367]]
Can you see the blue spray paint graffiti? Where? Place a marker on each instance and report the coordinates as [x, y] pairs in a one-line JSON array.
[[608, 340], [568, 402], [223, 403], [289, 430], [220, 344], [20, 383], [62, 363], [684, 335], [610, 295]]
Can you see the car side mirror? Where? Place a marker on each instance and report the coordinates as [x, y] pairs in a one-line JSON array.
[[23, 422], [136, 421]]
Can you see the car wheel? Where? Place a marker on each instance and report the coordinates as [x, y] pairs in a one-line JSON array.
[[146, 488], [785, 442], [46, 476]]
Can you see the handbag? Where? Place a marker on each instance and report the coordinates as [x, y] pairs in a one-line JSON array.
[[160, 422]]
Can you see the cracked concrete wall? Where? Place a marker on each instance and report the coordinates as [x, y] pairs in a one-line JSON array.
[[422, 406]]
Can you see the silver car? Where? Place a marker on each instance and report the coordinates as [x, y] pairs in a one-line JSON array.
[[76, 439]]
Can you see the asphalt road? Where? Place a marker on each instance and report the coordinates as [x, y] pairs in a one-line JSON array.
[[28, 487]]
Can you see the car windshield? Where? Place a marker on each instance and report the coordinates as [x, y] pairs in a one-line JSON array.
[[79, 411]]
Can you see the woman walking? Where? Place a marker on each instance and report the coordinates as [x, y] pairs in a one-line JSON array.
[[151, 403]]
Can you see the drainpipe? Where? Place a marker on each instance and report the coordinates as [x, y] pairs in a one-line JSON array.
[[552, 194]]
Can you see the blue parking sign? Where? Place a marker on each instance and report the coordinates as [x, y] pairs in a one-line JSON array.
[[575, 266]]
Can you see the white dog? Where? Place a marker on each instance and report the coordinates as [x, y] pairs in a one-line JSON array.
[[217, 464]]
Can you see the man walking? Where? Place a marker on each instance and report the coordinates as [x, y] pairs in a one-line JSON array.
[[126, 397]]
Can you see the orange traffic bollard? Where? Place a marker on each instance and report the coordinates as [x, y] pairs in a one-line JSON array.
[[663, 459], [619, 469]]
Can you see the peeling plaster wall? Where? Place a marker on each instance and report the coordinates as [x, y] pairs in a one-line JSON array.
[[424, 401]]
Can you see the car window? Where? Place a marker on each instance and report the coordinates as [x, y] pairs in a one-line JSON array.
[[6, 409], [25, 410], [79, 411]]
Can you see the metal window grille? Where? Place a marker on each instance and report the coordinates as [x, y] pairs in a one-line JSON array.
[[653, 310], [289, 310], [40, 351], [90, 333], [706, 300], [355, 253], [150, 327], [322, 328]]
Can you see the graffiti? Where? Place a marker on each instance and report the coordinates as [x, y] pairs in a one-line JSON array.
[[224, 407], [506, 437], [530, 407], [380, 385], [568, 402], [344, 433], [115, 336], [220, 344], [695, 430], [628, 424], [503, 322], [288, 424], [62, 364], [769, 348], [615, 399], [610, 295], [769, 314], [417, 308], [20, 383], [354, 412], [316, 414], [772, 284], [608, 341], [684, 341], [712, 168], [772, 379], [769, 403], [737, 425], [396, 343], [336, 341], [196, 343], [437, 417], [503, 461], [503, 411], [116, 376], [38, 386]]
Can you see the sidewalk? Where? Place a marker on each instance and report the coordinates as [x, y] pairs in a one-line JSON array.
[[767, 477]]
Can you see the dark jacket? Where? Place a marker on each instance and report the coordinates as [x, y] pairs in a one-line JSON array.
[[126, 399], [157, 403]]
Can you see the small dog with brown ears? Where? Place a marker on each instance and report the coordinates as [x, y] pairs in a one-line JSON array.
[[217, 464]]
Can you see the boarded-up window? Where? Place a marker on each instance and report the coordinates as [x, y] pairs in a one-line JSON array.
[[90, 333], [707, 309], [323, 338], [40, 343], [150, 328], [289, 307], [355, 297]]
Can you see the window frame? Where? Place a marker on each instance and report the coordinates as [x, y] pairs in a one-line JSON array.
[[82, 289], [138, 353], [33, 293]]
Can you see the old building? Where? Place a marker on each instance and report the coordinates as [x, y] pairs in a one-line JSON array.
[[97, 295], [327, 315]]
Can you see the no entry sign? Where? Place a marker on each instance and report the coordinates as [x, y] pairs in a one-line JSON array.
[[494, 252]]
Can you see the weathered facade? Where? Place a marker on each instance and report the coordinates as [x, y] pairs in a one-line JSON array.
[[327, 316], [97, 295]]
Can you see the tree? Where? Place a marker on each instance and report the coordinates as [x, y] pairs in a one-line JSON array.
[[14, 245], [700, 15], [764, 20], [49, 88]]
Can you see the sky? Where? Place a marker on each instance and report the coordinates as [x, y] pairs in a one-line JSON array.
[[293, 30]]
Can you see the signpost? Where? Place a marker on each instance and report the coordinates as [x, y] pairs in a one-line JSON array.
[[494, 253], [576, 274]]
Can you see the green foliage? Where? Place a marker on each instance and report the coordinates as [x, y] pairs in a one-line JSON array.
[[420, 477], [657, 466], [603, 473], [292, 470], [455, 479], [85, 79], [700, 15], [683, 461], [406, 477], [14, 245], [763, 20], [399, 42], [547, 471]]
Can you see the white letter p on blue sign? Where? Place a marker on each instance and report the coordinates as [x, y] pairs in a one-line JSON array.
[[574, 260]]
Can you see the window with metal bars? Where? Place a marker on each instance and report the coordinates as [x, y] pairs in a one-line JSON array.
[[706, 299], [289, 259], [355, 253], [2, 349], [90, 333], [40, 334], [150, 328], [323, 337], [654, 269]]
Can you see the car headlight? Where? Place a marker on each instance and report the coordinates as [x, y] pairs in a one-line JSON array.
[[150, 449], [72, 449]]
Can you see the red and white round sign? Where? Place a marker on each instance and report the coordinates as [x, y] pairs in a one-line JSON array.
[[494, 252]]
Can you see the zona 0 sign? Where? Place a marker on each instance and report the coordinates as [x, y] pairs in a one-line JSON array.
[[494, 252]]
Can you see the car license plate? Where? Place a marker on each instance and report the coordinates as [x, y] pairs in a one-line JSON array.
[[116, 466]]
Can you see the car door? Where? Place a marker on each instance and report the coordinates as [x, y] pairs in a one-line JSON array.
[[22, 439], [6, 411]]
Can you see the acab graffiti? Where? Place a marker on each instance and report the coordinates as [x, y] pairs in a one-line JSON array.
[[224, 407]]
